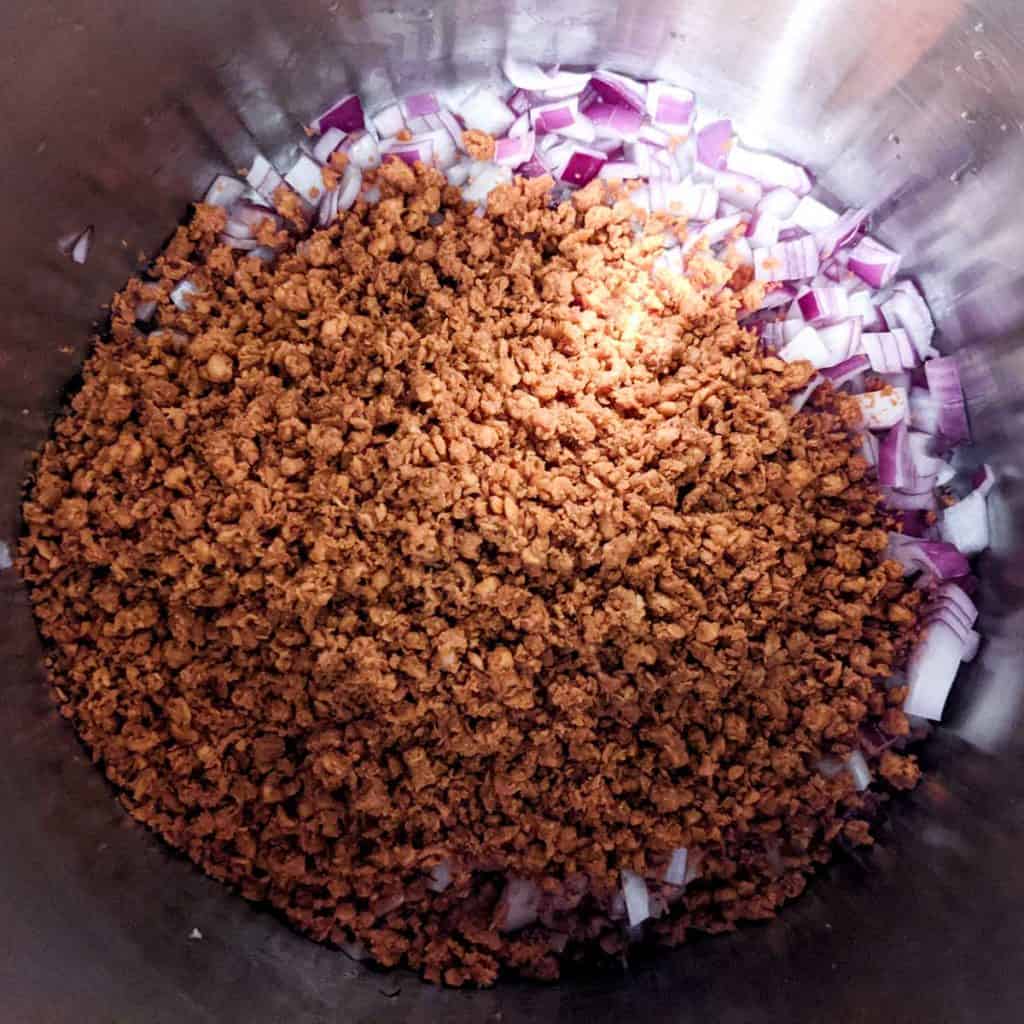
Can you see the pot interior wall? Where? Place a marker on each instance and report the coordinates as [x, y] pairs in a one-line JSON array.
[[117, 114]]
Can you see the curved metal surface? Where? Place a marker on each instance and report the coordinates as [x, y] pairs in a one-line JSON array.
[[117, 113]]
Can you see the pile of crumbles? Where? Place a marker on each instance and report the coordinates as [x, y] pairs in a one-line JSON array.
[[424, 580]]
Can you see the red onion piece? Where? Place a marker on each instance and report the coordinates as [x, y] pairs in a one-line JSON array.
[[305, 178], [713, 144], [806, 345], [965, 524], [843, 338], [931, 670], [78, 248], [263, 179], [813, 216], [895, 462], [513, 151], [906, 308], [346, 114], [882, 409], [843, 372], [440, 877], [787, 261], [675, 873], [943, 376], [613, 120], [363, 150], [739, 190], [771, 171], [634, 889], [419, 104], [527, 78], [858, 768], [669, 105], [874, 263], [824, 305], [842, 232], [780, 203], [389, 121], [615, 88], [801, 398], [936, 559], [582, 166], [485, 111], [328, 143], [225, 191], [180, 294], [518, 906], [619, 170]]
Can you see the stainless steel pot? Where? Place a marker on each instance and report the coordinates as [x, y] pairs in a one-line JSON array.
[[116, 113]]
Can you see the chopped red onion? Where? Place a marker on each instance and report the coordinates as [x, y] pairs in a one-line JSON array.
[[263, 179], [801, 398], [931, 670], [527, 78], [519, 905], [873, 263], [713, 144], [669, 105], [412, 151], [965, 524], [863, 304], [563, 117], [842, 232], [971, 645], [181, 292], [926, 463], [346, 115], [619, 170], [806, 345], [813, 215], [780, 203], [483, 179], [889, 351], [440, 877], [520, 101], [79, 246], [363, 150], [419, 104], [895, 462], [330, 141], [787, 261], [485, 111], [634, 889], [741, 191], [613, 121], [225, 191], [772, 171], [846, 371], [306, 179], [936, 559], [675, 873], [824, 305], [882, 409], [843, 338], [615, 88], [389, 121], [869, 448], [582, 166], [858, 768], [513, 151], [906, 308], [943, 376]]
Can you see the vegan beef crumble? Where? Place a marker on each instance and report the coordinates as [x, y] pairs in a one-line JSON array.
[[426, 580]]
